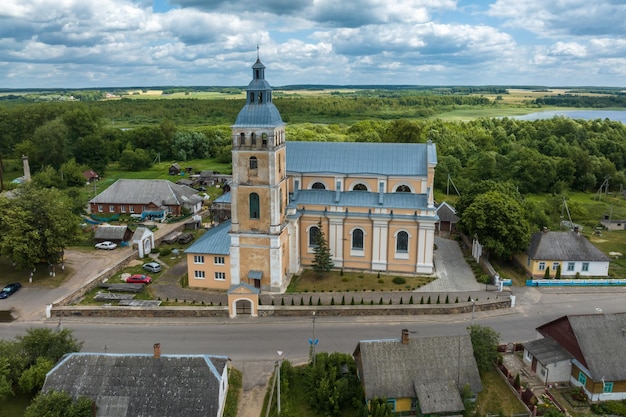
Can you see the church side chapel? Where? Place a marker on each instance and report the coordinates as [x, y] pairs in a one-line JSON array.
[[374, 200]]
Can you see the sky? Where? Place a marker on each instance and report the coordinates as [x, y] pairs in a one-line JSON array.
[[142, 43]]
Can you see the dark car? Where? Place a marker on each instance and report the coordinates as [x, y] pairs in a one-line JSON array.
[[138, 279], [185, 238], [10, 289]]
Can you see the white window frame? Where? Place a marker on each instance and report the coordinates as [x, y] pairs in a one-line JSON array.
[[542, 266], [199, 275], [100, 208], [555, 265], [220, 276], [131, 209], [111, 208], [219, 260], [585, 267], [571, 266], [123, 209], [310, 247], [198, 259]]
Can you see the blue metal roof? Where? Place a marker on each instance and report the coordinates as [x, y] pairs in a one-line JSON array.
[[214, 241], [224, 198], [259, 115], [359, 158], [360, 199]]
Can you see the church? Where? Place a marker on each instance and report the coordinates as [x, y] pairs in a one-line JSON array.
[[374, 201]]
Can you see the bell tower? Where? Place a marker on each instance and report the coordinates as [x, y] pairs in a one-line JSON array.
[[259, 239]]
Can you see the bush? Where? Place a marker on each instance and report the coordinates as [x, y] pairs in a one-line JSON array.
[[398, 280], [165, 251]]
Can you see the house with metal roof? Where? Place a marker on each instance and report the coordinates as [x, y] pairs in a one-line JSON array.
[[134, 385], [594, 346], [569, 251], [422, 375], [146, 197], [374, 200]]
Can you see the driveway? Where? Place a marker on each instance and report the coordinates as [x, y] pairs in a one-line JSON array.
[[453, 273]]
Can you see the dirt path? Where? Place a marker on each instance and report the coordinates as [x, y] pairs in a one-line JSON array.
[[256, 377]]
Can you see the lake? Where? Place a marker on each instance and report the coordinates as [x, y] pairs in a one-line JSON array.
[[617, 115]]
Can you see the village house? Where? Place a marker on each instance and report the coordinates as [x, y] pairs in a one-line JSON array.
[[130, 385], [423, 375], [154, 198], [569, 251]]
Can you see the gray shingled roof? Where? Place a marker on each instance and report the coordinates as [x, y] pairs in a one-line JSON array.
[[565, 246], [359, 199], [391, 369], [213, 241], [106, 232], [439, 397], [159, 192], [602, 341], [141, 385], [447, 213], [359, 158], [547, 350]]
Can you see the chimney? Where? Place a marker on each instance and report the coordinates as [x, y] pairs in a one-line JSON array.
[[26, 168], [405, 336], [157, 350]]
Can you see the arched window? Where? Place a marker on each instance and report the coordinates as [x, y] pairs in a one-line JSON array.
[[281, 200], [242, 138], [254, 163], [260, 97], [254, 206], [264, 139], [403, 189], [251, 97], [357, 239], [402, 242], [359, 187], [253, 136], [318, 186], [314, 232]]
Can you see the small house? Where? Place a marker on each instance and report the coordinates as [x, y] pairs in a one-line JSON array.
[[91, 175], [570, 251], [589, 348], [174, 169], [423, 375], [115, 234], [447, 219], [130, 385]]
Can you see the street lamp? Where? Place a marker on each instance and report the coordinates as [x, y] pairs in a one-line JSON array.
[[313, 342], [278, 363]]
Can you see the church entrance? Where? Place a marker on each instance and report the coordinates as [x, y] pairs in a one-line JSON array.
[[243, 307]]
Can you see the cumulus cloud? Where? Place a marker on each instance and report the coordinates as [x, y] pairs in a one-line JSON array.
[[75, 43]]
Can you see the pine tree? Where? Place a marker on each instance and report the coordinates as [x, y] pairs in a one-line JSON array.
[[322, 261]]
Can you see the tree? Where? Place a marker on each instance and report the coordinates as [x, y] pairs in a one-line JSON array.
[[33, 378], [322, 261], [485, 344], [58, 404], [5, 381], [49, 344], [37, 224], [379, 407], [498, 221], [135, 160]]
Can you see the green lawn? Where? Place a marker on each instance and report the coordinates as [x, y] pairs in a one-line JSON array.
[[334, 281], [496, 397]]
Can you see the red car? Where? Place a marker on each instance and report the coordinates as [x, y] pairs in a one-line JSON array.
[[139, 279]]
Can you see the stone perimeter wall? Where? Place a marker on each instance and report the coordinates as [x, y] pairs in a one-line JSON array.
[[278, 311]]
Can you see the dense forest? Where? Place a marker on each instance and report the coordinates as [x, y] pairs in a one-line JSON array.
[[542, 156]]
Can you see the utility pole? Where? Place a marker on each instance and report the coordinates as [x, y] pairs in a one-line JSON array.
[[278, 364]]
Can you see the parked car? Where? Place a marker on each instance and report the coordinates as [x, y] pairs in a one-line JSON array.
[[185, 238], [106, 245], [152, 267], [10, 289], [139, 279]]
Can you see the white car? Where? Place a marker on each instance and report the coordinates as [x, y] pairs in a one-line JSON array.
[[106, 245]]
